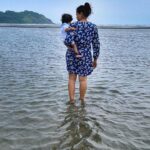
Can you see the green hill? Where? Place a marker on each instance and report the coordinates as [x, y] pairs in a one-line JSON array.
[[25, 17]]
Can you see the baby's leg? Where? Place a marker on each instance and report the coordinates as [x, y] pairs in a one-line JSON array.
[[76, 50]]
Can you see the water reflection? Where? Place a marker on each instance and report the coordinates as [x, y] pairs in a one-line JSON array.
[[77, 129]]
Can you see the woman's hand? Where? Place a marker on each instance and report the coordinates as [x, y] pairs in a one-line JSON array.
[[94, 63]]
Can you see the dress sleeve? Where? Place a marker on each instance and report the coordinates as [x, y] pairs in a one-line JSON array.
[[96, 43], [70, 36]]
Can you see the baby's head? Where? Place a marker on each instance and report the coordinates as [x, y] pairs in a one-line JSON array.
[[66, 18]]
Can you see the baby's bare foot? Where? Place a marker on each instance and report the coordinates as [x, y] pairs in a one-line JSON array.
[[78, 56]]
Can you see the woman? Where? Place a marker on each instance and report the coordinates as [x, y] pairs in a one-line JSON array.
[[86, 34]]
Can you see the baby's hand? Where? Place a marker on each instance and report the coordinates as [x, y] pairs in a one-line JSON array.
[[72, 28]]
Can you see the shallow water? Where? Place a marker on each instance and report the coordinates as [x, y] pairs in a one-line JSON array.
[[34, 113]]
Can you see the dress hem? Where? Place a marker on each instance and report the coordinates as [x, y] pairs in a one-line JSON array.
[[80, 74]]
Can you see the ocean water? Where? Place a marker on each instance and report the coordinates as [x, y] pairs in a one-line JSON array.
[[34, 109]]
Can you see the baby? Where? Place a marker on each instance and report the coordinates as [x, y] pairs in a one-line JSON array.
[[66, 20]]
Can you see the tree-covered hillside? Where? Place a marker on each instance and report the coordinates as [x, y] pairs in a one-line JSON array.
[[29, 17]]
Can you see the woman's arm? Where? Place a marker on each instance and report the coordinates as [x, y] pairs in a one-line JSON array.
[[96, 43]]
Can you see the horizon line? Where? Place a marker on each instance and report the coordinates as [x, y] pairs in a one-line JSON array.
[[26, 25]]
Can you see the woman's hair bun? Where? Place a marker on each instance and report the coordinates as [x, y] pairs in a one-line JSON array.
[[88, 9], [87, 5], [85, 9]]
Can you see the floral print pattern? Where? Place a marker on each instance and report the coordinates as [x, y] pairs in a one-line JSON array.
[[85, 37]]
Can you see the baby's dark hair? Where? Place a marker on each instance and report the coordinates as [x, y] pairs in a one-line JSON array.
[[85, 9], [66, 18]]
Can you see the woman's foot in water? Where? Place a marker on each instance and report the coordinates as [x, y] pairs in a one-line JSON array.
[[82, 101], [72, 101]]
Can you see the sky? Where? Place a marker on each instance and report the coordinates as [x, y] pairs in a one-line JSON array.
[[104, 12]]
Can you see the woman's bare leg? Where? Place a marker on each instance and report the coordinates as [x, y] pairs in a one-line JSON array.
[[71, 86], [83, 87]]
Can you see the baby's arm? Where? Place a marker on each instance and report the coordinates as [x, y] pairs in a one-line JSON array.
[[70, 29]]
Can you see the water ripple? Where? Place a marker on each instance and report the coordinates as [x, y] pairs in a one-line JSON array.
[[34, 108]]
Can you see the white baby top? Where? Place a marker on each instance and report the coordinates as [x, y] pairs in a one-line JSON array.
[[63, 32]]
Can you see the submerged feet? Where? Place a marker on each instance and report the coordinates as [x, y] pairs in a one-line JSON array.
[[82, 101]]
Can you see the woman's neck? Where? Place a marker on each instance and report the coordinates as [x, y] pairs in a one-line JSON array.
[[84, 20]]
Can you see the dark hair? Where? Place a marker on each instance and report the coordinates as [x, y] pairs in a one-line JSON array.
[[85, 9], [66, 18]]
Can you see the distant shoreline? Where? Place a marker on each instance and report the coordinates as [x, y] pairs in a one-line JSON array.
[[58, 26]]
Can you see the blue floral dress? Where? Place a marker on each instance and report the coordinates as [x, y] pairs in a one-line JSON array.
[[85, 37]]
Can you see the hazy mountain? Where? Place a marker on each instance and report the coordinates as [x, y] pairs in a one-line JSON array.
[[29, 17]]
